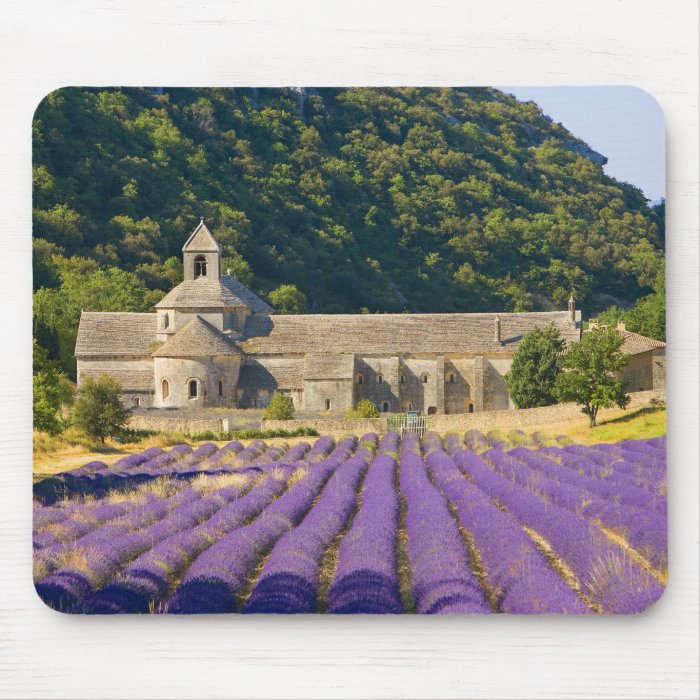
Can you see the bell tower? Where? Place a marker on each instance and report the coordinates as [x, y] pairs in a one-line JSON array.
[[201, 255]]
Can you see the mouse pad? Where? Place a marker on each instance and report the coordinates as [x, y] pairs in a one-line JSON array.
[[349, 350]]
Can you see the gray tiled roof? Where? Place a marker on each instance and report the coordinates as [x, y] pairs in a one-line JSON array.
[[115, 333], [376, 334], [130, 380], [201, 241], [205, 292], [636, 343], [329, 366], [254, 302], [198, 339], [261, 375]]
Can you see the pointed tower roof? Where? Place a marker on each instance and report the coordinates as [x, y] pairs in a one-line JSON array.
[[201, 241], [198, 339]]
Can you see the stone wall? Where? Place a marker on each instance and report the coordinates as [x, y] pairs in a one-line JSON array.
[[327, 394], [165, 424], [639, 373], [486, 420], [178, 372], [496, 396], [331, 426], [489, 420], [380, 382], [659, 370]]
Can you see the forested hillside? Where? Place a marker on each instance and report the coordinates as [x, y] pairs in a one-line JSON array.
[[364, 199]]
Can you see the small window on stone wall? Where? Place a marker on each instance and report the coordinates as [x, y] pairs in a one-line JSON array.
[[136, 401], [380, 379], [221, 388], [360, 379], [451, 378], [166, 320], [165, 388], [200, 266], [328, 404], [402, 379], [424, 378], [193, 388]]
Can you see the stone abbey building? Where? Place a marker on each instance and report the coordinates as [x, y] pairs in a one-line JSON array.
[[212, 342]]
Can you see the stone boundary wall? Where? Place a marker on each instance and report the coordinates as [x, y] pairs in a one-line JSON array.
[[489, 420], [168, 424], [484, 420], [331, 426]]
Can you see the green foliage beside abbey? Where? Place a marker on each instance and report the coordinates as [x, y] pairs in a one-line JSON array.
[[360, 199], [591, 373], [531, 381], [365, 409], [281, 407]]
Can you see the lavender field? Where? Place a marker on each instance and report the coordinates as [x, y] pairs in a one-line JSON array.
[[462, 524]]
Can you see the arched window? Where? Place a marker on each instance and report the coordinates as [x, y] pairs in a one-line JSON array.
[[380, 379], [136, 401], [221, 388], [328, 404], [360, 379], [385, 406], [193, 388], [470, 409], [424, 378], [165, 389], [200, 266], [451, 377]]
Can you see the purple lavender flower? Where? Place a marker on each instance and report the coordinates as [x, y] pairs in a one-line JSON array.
[[603, 570], [517, 575], [441, 577]]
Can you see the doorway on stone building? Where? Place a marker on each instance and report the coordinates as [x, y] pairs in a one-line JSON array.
[[432, 410], [385, 407], [470, 407]]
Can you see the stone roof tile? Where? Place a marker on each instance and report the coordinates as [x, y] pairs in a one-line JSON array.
[[329, 366], [201, 241], [129, 379], [205, 292], [198, 339], [115, 333], [382, 334]]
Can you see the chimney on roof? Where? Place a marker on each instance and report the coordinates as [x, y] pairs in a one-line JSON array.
[[497, 330], [621, 326], [572, 309]]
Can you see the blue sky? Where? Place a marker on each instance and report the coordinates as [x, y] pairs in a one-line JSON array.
[[623, 123]]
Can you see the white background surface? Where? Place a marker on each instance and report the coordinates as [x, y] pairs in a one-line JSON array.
[[45, 45]]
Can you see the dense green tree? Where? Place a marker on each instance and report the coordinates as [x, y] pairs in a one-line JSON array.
[[591, 375], [98, 410], [287, 299], [532, 378], [647, 317], [281, 407], [48, 392], [393, 199]]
